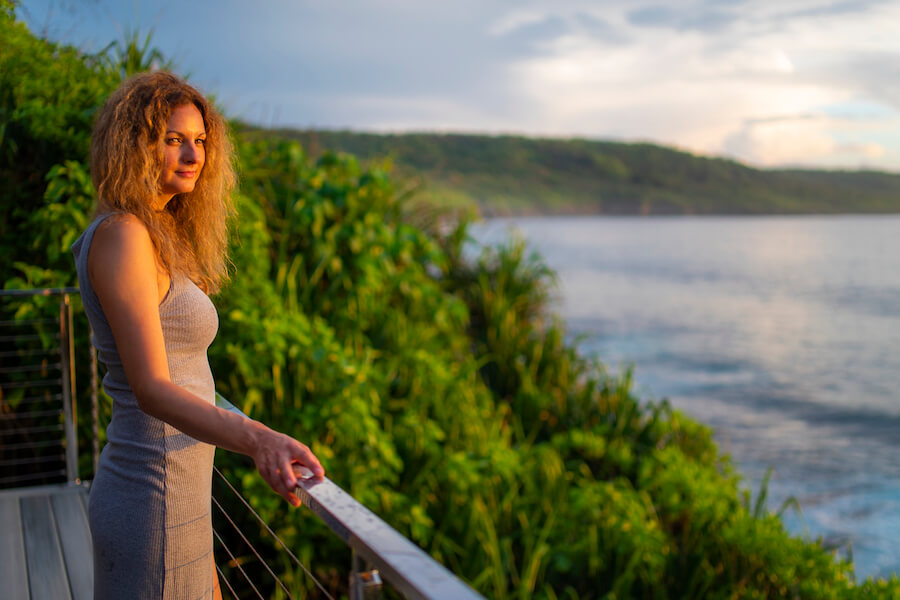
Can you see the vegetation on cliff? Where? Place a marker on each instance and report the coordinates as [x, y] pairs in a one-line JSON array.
[[509, 175]]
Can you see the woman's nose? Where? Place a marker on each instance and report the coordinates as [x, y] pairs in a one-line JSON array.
[[189, 153]]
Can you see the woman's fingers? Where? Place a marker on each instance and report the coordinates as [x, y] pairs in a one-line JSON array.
[[307, 459], [277, 482], [284, 460], [287, 476], [301, 472]]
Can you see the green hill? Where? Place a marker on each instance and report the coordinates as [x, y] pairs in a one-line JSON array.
[[508, 175]]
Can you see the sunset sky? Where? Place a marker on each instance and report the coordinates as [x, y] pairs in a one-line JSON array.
[[770, 83]]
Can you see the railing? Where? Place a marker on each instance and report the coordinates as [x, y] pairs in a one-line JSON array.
[[38, 441], [376, 548], [409, 569]]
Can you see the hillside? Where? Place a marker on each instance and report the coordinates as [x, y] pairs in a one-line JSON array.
[[508, 175]]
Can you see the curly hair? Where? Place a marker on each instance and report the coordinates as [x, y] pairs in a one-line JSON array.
[[191, 234]]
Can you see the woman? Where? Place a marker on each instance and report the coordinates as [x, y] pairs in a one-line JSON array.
[[162, 167]]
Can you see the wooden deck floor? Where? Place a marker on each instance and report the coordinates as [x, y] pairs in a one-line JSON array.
[[45, 543]]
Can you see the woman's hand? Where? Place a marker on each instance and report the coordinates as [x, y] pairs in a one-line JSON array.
[[277, 456]]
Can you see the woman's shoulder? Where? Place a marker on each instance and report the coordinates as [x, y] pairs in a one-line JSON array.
[[108, 227], [121, 220], [123, 234], [122, 228], [122, 254]]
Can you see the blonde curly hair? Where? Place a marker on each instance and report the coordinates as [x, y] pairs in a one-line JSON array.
[[191, 234]]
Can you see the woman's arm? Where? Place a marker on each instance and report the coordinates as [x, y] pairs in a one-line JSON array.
[[122, 270]]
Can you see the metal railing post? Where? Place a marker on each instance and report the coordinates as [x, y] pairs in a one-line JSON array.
[[66, 355], [95, 417], [365, 583]]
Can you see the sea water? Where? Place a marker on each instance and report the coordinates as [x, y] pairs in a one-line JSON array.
[[782, 333]]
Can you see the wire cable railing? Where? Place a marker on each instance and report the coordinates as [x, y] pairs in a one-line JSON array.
[[409, 569], [38, 442], [37, 429], [262, 522]]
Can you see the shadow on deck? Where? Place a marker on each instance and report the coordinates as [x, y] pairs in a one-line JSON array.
[[45, 546]]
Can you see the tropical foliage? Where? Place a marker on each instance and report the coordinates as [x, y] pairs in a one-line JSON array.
[[436, 385]]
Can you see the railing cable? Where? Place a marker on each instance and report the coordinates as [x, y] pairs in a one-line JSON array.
[[35, 399], [35, 414], [253, 549], [32, 445], [25, 430], [35, 368], [32, 476], [238, 565], [31, 337], [14, 322], [27, 384], [21, 353], [32, 460], [274, 535], [225, 579]]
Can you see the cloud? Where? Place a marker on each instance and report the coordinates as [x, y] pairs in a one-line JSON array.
[[874, 74], [599, 29], [781, 119], [755, 80], [770, 142], [800, 140], [831, 9], [856, 149], [675, 16]]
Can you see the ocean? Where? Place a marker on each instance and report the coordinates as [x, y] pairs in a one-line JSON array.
[[781, 333]]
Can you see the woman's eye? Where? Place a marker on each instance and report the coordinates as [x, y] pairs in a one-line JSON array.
[[200, 142], [173, 140]]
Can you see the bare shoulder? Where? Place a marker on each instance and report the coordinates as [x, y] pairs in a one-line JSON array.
[[121, 229], [120, 250], [120, 237]]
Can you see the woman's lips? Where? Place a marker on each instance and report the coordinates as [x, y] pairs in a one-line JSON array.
[[185, 173]]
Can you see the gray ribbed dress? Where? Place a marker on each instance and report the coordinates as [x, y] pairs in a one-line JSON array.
[[149, 505]]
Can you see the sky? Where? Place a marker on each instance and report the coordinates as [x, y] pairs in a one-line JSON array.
[[770, 83]]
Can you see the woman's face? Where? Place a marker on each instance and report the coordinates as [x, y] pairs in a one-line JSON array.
[[183, 153]]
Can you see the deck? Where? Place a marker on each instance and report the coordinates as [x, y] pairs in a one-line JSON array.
[[45, 543]]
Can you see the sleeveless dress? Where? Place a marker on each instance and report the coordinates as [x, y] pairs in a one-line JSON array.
[[149, 507]]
